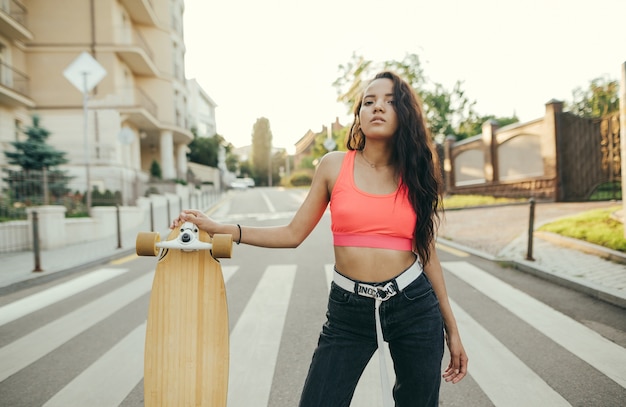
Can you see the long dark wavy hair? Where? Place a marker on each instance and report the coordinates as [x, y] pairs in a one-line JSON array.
[[414, 159]]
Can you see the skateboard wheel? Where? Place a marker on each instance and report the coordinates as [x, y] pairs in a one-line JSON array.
[[222, 246], [145, 244]]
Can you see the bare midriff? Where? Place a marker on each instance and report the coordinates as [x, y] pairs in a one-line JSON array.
[[372, 265]]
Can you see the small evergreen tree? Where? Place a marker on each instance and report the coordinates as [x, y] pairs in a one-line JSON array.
[[155, 170], [37, 161]]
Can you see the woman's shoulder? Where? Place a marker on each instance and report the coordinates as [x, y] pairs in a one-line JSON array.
[[334, 156], [330, 164]]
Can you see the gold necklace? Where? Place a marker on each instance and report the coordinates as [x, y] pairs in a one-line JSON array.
[[372, 165]]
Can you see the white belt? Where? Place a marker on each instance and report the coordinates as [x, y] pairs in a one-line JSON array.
[[381, 293]]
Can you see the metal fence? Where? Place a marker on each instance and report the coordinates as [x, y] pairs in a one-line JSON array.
[[24, 191]]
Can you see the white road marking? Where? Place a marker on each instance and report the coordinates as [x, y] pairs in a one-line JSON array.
[[97, 386], [35, 302], [270, 207], [255, 340], [497, 368], [606, 356], [28, 349]]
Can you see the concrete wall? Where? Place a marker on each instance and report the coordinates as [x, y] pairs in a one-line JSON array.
[[151, 213], [516, 160]]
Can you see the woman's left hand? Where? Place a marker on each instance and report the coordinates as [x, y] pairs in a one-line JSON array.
[[457, 368]]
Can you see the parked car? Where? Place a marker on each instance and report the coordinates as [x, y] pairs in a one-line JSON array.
[[249, 182], [242, 183]]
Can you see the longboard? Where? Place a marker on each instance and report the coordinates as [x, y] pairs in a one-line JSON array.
[[186, 350]]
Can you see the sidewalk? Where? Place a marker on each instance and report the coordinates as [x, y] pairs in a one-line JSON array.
[[500, 234], [494, 233], [19, 267]]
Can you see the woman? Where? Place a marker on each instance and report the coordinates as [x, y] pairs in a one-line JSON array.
[[384, 196]]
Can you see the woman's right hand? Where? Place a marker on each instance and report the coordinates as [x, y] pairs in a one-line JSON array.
[[198, 218]]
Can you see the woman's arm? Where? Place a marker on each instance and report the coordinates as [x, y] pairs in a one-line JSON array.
[[285, 236], [457, 368]]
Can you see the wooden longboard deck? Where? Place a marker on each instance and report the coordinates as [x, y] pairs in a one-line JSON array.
[[186, 353]]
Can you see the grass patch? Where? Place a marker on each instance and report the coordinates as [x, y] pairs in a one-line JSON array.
[[467, 201], [595, 226]]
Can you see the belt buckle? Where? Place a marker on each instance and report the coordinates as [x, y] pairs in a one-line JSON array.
[[382, 293]]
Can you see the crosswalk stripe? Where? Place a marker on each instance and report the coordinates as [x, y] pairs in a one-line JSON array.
[[498, 367], [255, 340], [368, 391], [98, 385], [35, 302], [606, 356], [20, 353], [268, 202]]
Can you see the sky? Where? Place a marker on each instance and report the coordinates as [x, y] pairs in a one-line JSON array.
[[278, 58]]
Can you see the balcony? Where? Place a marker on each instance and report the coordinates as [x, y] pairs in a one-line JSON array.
[[134, 50], [139, 109], [13, 21], [14, 87], [140, 11]]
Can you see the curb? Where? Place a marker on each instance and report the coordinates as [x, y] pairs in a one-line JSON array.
[[593, 290], [55, 274], [586, 247]]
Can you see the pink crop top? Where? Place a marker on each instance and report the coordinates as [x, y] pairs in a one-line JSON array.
[[362, 219]]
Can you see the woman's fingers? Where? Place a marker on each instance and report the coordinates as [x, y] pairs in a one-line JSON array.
[[186, 215]]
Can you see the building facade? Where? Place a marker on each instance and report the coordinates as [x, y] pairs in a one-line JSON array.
[[137, 114], [201, 110]]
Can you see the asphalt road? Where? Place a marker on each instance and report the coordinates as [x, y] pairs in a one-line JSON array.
[[530, 342]]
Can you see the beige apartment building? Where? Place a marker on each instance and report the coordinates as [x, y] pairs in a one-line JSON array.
[[137, 113]]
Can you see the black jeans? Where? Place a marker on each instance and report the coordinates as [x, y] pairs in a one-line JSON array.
[[413, 327]]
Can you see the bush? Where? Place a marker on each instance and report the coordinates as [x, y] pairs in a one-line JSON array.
[[155, 169], [106, 198], [300, 179], [607, 191]]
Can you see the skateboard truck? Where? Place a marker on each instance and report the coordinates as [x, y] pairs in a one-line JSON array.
[[187, 240]]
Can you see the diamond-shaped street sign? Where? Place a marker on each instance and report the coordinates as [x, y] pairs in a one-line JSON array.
[[330, 144], [84, 72]]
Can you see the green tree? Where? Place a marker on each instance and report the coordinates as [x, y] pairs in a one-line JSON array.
[[352, 80], [600, 98], [261, 150], [232, 161], [279, 163], [447, 111], [34, 153], [155, 170], [319, 149], [246, 170], [205, 150], [38, 162]]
